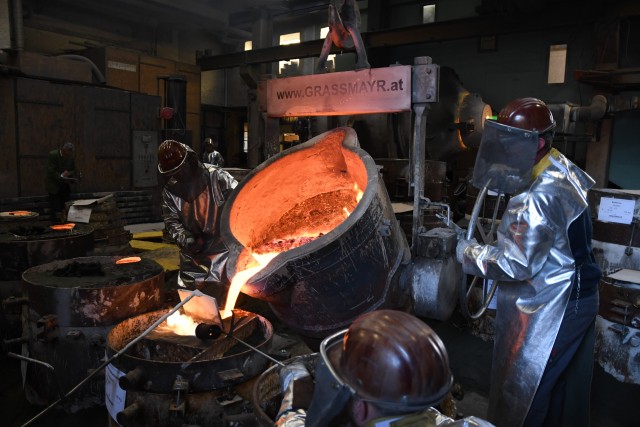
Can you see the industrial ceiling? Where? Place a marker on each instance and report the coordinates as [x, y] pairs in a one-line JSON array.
[[227, 21]]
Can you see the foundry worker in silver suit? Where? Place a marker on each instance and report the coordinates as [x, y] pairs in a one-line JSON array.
[[192, 201], [388, 367], [547, 296], [211, 155]]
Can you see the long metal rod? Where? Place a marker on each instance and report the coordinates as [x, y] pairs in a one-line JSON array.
[[254, 349], [115, 356]]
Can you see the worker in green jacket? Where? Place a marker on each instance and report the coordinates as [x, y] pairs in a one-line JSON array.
[[61, 172]]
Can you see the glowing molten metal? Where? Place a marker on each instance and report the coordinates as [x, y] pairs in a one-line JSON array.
[[181, 324], [19, 213], [129, 260], [68, 226], [317, 206]]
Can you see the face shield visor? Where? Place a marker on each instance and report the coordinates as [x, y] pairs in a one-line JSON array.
[[330, 394], [505, 158]]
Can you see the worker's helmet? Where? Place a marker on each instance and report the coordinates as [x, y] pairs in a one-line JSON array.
[[208, 142], [529, 114], [392, 357], [386, 357], [171, 156]]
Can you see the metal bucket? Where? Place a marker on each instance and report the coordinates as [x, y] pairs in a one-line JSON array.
[[69, 317], [167, 380], [320, 286], [23, 246], [616, 246]]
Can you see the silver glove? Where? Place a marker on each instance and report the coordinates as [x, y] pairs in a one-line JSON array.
[[462, 245]]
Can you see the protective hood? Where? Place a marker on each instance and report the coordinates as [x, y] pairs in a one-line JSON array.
[[189, 178]]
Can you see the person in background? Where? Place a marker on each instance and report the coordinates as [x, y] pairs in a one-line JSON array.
[[388, 368], [547, 298], [211, 155], [61, 171], [192, 201]]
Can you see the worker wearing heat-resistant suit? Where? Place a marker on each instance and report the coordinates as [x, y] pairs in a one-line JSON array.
[[192, 201], [547, 296]]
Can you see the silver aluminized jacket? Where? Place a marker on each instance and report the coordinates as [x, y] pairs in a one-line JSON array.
[[199, 219], [532, 260]]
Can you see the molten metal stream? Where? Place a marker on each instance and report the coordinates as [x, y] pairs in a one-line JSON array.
[[184, 325], [240, 278], [263, 256]]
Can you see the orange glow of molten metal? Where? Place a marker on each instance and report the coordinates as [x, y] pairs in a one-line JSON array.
[[359, 192], [129, 260], [324, 193], [68, 226], [241, 277], [181, 324], [19, 213], [302, 237]]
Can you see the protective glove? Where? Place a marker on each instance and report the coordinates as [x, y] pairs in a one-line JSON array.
[[462, 245], [193, 244], [292, 419]]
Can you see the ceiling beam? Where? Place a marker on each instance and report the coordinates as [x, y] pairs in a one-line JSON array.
[[419, 34]]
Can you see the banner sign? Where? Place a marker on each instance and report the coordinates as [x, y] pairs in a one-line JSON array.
[[376, 90]]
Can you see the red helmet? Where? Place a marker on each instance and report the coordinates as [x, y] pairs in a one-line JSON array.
[[171, 155], [529, 114], [393, 359]]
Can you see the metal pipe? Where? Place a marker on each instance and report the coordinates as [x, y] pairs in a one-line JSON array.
[[40, 362], [132, 379], [94, 67], [595, 111], [254, 349], [18, 25]]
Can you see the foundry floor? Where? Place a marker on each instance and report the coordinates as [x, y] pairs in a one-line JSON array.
[[613, 402]]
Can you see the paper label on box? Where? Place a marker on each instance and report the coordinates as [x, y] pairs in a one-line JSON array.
[[79, 214], [115, 396], [616, 210]]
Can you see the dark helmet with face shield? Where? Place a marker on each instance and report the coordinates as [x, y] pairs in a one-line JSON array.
[[529, 114], [387, 357], [171, 156], [179, 164]]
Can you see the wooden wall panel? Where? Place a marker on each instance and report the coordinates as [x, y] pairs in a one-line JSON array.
[[8, 164], [104, 122], [45, 120], [150, 69], [120, 67], [144, 112], [40, 116]]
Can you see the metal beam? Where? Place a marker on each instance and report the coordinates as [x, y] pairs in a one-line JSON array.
[[419, 34]]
